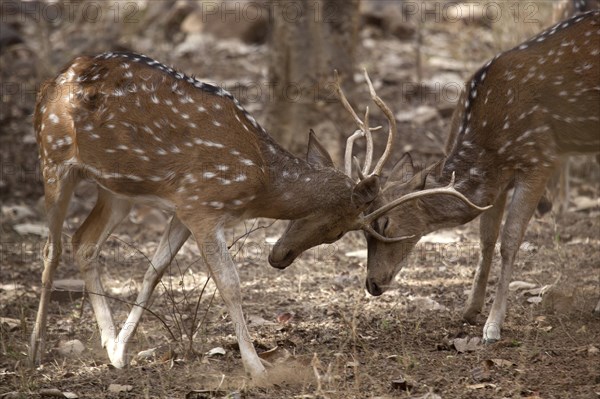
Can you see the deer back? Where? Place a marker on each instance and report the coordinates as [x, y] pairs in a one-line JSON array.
[[531, 104], [142, 129]]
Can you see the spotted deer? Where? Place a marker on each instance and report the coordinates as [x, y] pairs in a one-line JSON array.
[[559, 183], [563, 9], [518, 115], [146, 133]]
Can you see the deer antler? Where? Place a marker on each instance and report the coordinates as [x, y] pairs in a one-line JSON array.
[[447, 190], [392, 126], [365, 131], [362, 131], [381, 238]]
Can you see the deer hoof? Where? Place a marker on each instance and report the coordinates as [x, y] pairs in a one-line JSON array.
[[491, 333], [470, 315]]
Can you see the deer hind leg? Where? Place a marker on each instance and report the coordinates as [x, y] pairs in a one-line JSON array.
[[525, 198], [58, 192], [171, 242], [108, 212], [489, 228], [222, 269]]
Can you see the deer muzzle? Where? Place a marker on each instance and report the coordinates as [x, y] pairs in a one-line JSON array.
[[281, 258]]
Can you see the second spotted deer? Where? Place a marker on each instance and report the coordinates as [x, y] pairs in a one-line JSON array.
[[518, 116]]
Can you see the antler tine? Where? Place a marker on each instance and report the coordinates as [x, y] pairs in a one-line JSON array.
[[357, 133], [369, 137], [364, 131], [348, 153], [392, 126], [344, 100], [381, 238], [361, 175], [447, 190]]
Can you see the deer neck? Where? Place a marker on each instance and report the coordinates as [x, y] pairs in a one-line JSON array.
[[294, 188], [477, 183]]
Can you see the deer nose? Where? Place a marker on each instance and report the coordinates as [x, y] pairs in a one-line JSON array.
[[279, 259], [373, 288]]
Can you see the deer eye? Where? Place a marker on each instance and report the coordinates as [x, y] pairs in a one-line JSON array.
[[385, 223]]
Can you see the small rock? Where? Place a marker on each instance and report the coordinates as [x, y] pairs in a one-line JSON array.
[[217, 351], [426, 303], [71, 348], [520, 285], [16, 213], [361, 253], [31, 228], [419, 116], [67, 290], [466, 344], [148, 353], [118, 388]]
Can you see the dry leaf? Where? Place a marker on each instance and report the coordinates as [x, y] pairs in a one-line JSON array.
[[285, 317], [10, 324], [254, 320], [502, 363], [276, 355], [401, 384], [482, 385], [481, 373]]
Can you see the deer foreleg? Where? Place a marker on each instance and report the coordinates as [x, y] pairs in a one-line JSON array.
[[223, 271], [525, 198], [489, 228], [171, 242]]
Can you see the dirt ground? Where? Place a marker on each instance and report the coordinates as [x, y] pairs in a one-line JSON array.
[[325, 336]]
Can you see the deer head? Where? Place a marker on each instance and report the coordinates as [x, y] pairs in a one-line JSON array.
[[330, 225], [302, 234], [305, 233], [386, 259]]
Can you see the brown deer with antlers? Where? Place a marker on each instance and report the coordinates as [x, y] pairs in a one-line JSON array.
[[518, 115], [145, 133]]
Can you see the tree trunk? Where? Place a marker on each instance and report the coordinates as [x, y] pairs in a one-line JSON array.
[[310, 39]]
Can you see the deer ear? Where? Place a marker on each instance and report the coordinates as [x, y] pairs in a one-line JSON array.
[[317, 154], [366, 191], [403, 170], [428, 174]]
